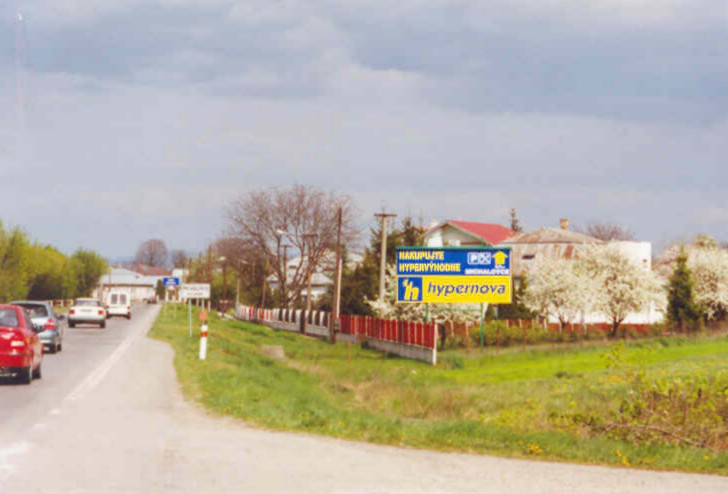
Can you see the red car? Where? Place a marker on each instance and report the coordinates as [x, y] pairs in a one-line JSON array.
[[21, 351]]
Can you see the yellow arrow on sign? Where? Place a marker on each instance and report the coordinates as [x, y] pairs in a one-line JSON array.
[[500, 258]]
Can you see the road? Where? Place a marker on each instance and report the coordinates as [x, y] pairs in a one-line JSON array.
[[109, 417]]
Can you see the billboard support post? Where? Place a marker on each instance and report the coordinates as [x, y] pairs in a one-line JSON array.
[[482, 325]]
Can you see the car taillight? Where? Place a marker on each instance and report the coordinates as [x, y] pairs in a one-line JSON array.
[[71, 312], [49, 326], [101, 313], [128, 308]]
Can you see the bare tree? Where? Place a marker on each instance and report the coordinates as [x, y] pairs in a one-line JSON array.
[[303, 218], [609, 231], [152, 252], [179, 258]]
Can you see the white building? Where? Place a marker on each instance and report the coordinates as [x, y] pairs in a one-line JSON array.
[[527, 248], [456, 232], [140, 286]]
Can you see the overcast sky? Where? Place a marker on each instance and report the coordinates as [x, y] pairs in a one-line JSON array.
[[143, 118]]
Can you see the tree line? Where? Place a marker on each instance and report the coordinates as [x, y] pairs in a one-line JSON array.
[[280, 236], [30, 270]]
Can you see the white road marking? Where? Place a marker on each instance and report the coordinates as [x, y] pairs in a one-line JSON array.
[[39, 427], [6, 453], [93, 379]]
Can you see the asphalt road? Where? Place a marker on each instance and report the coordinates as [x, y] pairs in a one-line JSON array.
[[109, 417]]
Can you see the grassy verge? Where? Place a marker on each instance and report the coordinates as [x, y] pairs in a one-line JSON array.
[[540, 404]]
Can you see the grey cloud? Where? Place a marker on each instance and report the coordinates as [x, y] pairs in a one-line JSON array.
[[476, 57]]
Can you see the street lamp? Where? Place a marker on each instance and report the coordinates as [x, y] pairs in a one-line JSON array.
[[222, 260]]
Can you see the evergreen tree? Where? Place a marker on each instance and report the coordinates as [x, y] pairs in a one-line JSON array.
[[682, 310], [517, 309], [515, 224], [412, 234]]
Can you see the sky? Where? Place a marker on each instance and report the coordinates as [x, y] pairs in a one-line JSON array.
[[127, 120]]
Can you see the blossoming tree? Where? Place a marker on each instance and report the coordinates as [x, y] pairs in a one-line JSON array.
[[710, 273], [620, 286], [558, 288]]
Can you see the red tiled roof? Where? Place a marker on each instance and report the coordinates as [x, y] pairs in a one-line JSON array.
[[491, 233], [150, 270]]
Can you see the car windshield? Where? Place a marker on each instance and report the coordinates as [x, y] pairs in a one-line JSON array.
[[8, 318], [35, 310], [87, 303]]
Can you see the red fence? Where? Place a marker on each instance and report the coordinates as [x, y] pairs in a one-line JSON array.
[[403, 332], [255, 314]]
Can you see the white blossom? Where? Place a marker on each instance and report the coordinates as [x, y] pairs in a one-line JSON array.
[[620, 285], [709, 266], [710, 273], [390, 309], [558, 288]]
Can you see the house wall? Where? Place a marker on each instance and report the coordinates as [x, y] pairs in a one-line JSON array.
[[638, 252], [447, 235]]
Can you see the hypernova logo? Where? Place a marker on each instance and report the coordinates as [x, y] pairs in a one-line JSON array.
[[410, 289]]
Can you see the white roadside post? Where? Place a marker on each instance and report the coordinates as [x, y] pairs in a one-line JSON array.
[[203, 335]]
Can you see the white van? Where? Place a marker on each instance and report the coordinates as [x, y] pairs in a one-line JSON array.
[[118, 303]]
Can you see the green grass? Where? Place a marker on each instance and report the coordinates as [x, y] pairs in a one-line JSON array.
[[474, 402]]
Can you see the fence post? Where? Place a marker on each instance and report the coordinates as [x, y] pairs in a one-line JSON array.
[[497, 339], [524, 337]]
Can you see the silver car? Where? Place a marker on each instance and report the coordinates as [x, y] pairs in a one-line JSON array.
[[43, 315]]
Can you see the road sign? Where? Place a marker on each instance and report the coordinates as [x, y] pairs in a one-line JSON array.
[[454, 275], [170, 281], [195, 291]]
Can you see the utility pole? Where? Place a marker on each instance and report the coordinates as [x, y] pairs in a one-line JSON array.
[[309, 237], [337, 281], [285, 276], [209, 264], [209, 274], [223, 260], [265, 281], [383, 217]]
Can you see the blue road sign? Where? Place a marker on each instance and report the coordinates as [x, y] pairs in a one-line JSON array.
[[169, 281]]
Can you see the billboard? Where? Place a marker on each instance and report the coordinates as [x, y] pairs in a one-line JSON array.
[[454, 275]]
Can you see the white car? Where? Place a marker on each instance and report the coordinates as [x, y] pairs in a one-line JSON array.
[[118, 303], [87, 311]]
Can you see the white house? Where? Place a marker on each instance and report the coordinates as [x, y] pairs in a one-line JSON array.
[[456, 232], [527, 248], [321, 282], [140, 286]]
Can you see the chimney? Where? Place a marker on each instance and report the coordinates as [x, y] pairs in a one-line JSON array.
[[564, 223]]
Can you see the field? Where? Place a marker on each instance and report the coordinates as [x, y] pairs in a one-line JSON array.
[[660, 404]]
